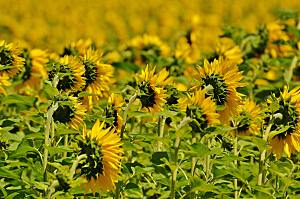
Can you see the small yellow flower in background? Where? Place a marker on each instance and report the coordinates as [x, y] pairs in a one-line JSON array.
[[287, 142], [227, 49], [77, 48], [11, 62], [220, 79], [102, 166], [151, 89], [114, 108]]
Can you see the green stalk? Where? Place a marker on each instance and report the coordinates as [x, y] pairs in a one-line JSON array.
[[235, 181], [125, 114], [262, 158], [161, 127]]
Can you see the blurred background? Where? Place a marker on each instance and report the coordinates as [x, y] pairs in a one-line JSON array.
[[52, 24]]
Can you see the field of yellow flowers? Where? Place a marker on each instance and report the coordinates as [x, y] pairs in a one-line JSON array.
[[149, 99]]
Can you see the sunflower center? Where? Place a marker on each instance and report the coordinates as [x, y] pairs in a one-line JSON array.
[[6, 58], [63, 114], [147, 95], [27, 65], [199, 122], [90, 72], [92, 167], [289, 118], [219, 89]]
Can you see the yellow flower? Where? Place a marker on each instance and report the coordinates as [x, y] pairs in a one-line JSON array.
[[78, 48], [200, 109], [289, 110], [147, 45], [4, 82], [98, 78], [151, 89], [102, 166], [115, 103], [220, 79], [10, 61], [70, 73], [70, 112], [227, 49], [34, 71], [249, 120]]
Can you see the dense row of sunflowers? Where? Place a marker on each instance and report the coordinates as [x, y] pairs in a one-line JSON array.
[[153, 120]]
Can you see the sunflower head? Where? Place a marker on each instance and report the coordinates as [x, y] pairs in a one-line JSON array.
[[248, 120], [70, 112], [98, 76], [11, 63], [151, 89], [201, 110], [113, 110], [78, 48], [70, 74], [220, 79], [285, 120], [103, 149]]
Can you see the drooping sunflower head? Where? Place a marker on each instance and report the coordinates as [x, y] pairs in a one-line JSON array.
[[147, 48], [249, 119], [34, 71], [70, 112], [70, 73], [151, 89], [220, 79], [11, 63], [113, 110], [78, 48], [201, 109], [286, 121], [103, 148], [98, 77]]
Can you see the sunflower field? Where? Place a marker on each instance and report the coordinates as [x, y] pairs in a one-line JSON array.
[[153, 99]]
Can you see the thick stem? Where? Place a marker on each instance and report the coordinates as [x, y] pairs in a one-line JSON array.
[[161, 127], [174, 174], [262, 158], [75, 164], [131, 100], [48, 124], [207, 163], [66, 138], [194, 159], [235, 181]]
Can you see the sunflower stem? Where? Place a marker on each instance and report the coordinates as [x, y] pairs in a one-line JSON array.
[[66, 138], [75, 164], [291, 69], [161, 127], [236, 153], [48, 124], [194, 159], [260, 178], [131, 100], [176, 147]]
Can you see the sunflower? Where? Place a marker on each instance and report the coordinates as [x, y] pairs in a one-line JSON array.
[[11, 63], [201, 109], [70, 73], [278, 40], [4, 82], [99, 78], [248, 120], [78, 48], [287, 141], [220, 79], [34, 71], [187, 47], [113, 110], [151, 89], [227, 49], [102, 166], [145, 48], [70, 112]]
